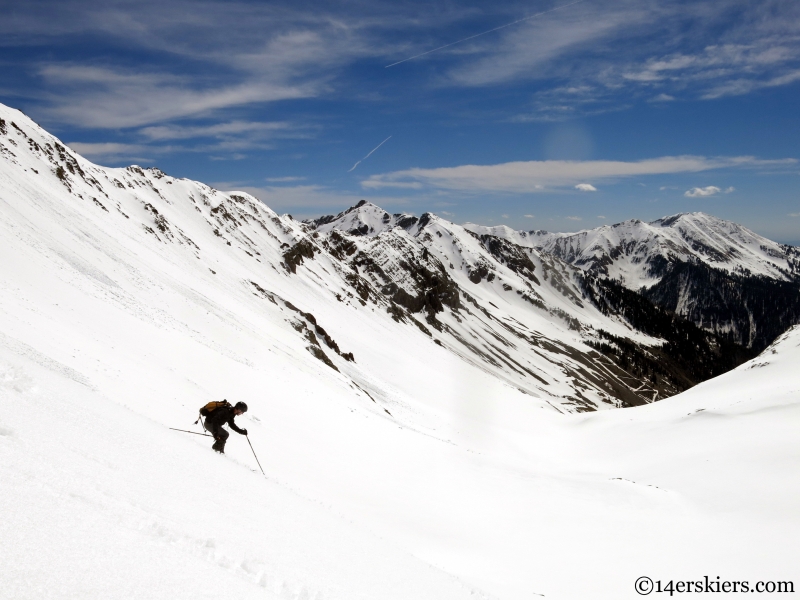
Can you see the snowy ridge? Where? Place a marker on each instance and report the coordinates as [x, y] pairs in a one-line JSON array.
[[719, 275], [513, 313], [637, 253], [363, 219]]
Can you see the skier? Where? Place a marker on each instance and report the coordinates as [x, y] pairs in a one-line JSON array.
[[217, 416]]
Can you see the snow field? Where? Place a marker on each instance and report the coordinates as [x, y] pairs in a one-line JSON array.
[[107, 502], [110, 504]]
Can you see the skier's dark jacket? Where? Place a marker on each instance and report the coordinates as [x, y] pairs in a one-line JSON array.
[[220, 416]]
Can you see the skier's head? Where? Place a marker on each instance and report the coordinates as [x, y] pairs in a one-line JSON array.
[[240, 408]]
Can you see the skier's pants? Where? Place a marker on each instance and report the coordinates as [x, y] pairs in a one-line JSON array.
[[220, 437]]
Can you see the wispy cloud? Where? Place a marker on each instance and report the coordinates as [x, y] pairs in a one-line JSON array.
[[745, 85], [662, 98], [283, 179], [108, 98], [585, 187], [222, 141], [713, 50], [488, 31], [533, 176], [157, 62], [531, 50], [217, 130]]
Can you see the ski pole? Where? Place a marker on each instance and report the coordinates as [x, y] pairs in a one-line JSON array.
[[193, 432], [254, 454]]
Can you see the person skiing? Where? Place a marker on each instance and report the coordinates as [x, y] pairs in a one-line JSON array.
[[219, 416]]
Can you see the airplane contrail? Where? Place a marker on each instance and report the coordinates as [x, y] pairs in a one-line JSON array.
[[370, 152], [472, 37]]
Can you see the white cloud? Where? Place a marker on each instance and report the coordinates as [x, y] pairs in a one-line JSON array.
[[601, 216], [585, 187], [697, 192], [530, 216], [574, 219], [662, 98], [505, 216], [533, 176], [374, 183], [730, 189], [234, 156], [797, 214], [283, 179]]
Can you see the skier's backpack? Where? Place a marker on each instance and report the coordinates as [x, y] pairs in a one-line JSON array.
[[212, 406]]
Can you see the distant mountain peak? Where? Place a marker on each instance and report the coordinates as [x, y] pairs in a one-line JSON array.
[[363, 219]]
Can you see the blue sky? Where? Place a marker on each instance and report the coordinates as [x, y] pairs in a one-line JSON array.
[[592, 113]]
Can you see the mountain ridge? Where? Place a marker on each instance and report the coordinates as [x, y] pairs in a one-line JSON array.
[[717, 274], [515, 313], [635, 251]]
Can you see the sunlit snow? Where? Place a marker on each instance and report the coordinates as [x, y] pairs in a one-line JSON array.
[[417, 471]]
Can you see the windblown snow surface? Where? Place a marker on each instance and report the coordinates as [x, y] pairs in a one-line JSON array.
[[411, 473]]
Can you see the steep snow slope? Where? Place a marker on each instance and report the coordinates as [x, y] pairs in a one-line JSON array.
[[101, 502], [637, 253], [416, 471]]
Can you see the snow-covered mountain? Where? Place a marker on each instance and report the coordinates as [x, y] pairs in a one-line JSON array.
[[412, 393], [516, 314], [637, 253], [719, 275]]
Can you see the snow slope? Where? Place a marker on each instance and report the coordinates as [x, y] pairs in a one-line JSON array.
[[635, 252], [106, 502], [420, 470]]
